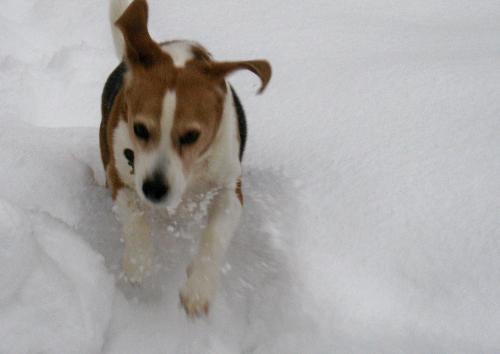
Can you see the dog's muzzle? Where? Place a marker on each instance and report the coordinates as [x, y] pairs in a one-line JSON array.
[[154, 188]]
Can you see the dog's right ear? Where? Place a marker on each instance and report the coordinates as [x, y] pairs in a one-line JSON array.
[[140, 49], [261, 68]]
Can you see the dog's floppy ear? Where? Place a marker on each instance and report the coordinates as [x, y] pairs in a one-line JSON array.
[[140, 49], [261, 68]]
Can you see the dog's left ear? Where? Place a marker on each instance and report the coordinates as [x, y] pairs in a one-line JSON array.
[[140, 49], [261, 68]]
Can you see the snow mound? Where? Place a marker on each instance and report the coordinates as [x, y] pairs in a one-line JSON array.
[[55, 293], [17, 251]]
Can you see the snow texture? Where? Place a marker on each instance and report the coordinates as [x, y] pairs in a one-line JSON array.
[[371, 180]]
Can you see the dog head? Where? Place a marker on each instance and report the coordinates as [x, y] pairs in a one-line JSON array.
[[174, 99]]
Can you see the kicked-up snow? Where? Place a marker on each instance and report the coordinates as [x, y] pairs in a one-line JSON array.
[[371, 180]]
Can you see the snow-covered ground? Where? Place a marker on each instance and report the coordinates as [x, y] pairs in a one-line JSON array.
[[372, 183]]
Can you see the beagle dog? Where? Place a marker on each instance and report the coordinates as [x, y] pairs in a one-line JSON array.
[[172, 127]]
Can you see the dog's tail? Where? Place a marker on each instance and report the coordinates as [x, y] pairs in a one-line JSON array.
[[116, 9]]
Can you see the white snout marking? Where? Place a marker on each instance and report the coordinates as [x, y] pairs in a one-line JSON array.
[[164, 158], [173, 164]]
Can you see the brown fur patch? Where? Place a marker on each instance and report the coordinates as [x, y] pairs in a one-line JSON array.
[[140, 48], [200, 103], [261, 68]]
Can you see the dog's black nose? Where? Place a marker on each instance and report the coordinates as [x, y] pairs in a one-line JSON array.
[[155, 188]]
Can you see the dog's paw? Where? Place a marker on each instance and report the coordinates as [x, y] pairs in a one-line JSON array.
[[199, 291], [136, 267]]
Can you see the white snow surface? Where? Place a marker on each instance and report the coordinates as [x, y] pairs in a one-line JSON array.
[[371, 177]]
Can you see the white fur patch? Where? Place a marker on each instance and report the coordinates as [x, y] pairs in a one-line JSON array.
[[173, 165], [121, 141], [144, 165], [180, 52]]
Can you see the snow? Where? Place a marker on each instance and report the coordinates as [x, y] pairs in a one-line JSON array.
[[371, 182], [56, 293]]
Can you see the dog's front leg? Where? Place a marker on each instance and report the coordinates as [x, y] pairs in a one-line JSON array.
[[199, 289], [137, 257]]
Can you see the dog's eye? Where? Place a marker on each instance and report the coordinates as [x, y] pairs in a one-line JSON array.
[[189, 138], [141, 131]]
